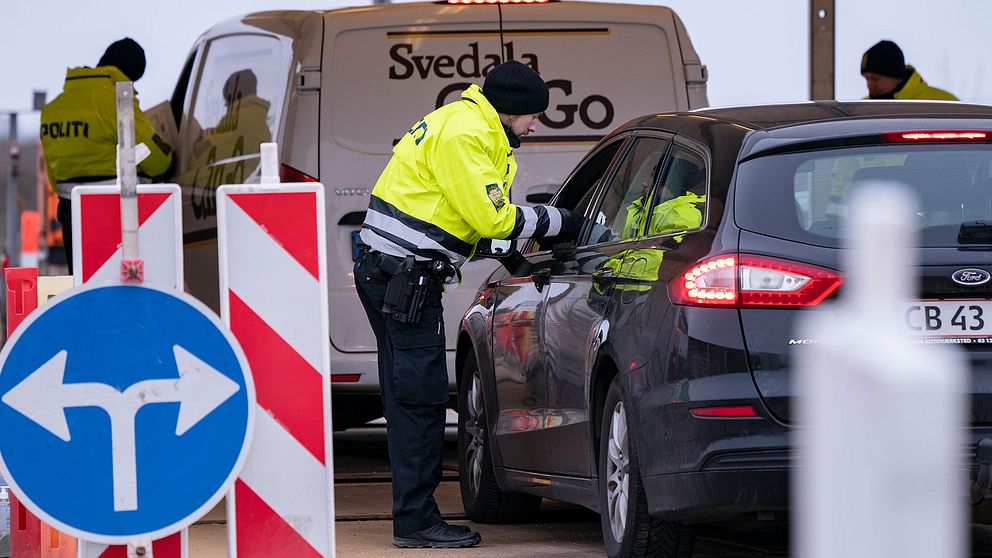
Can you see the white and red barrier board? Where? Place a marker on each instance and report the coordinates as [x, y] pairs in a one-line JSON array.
[[96, 233], [273, 285]]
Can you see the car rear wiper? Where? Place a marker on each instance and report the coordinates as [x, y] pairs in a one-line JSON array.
[[975, 232]]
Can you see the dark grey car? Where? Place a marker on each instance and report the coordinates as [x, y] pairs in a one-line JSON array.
[[644, 371]]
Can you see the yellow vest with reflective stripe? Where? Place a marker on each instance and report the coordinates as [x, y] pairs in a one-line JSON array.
[[79, 129], [453, 170]]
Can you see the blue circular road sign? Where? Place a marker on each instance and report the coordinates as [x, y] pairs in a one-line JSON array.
[[126, 412]]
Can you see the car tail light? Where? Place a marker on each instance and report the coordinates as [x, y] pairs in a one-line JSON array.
[[345, 377], [936, 136], [753, 282], [289, 174], [734, 411]]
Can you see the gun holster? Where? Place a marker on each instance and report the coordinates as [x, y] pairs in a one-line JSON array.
[[406, 291]]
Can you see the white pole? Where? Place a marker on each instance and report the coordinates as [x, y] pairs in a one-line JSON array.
[[270, 163], [128, 176], [880, 469]]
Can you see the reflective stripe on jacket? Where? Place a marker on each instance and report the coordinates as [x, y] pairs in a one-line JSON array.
[[447, 185], [79, 129]]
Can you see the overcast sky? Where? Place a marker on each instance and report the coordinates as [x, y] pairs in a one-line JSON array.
[[756, 50]]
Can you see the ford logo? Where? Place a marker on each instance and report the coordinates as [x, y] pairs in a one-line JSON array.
[[971, 277]]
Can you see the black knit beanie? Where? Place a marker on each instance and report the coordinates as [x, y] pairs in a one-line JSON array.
[[513, 88], [128, 56], [884, 59]]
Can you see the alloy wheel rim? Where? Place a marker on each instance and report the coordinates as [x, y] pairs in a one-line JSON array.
[[473, 427], [617, 466]]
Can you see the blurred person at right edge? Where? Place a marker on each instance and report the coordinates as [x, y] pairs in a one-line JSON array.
[[445, 188], [79, 130], [889, 77]]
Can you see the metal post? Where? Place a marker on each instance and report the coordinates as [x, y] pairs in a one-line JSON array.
[[821, 49], [128, 177], [12, 246]]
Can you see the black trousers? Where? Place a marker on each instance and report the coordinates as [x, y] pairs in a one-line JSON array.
[[413, 379]]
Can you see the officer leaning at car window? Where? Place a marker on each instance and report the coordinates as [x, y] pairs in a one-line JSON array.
[[79, 129], [445, 188]]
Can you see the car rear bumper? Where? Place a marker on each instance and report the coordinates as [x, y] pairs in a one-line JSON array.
[[745, 483], [717, 495]]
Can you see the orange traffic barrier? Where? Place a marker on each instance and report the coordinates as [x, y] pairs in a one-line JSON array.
[[25, 531], [29, 537], [30, 225], [56, 544], [22, 294]]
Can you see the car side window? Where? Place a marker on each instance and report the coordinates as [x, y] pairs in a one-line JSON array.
[[578, 191], [680, 200], [623, 207]]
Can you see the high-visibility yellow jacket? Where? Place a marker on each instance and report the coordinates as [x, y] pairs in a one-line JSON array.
[[916, 88], [447, 186], [676, 214], [79, 129]]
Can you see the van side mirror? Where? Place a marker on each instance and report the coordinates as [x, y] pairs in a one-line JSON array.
[[494, 248]]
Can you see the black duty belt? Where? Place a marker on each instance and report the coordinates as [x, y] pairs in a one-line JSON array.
[[391, 265]]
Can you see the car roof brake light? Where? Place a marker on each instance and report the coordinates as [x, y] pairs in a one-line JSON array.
[[936, 136]]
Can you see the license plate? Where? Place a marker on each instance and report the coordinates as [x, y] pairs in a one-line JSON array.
[[950, 318]]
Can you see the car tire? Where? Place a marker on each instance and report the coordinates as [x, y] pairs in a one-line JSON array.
[[628, 530], [482, 498]]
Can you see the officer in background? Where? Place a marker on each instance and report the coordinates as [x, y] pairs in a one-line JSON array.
[[889, 77], [79, 129], [445, 188]]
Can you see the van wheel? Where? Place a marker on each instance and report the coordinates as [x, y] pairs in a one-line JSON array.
[[628, 530], [482, 498]]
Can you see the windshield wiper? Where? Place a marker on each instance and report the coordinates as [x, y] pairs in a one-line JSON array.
[[975, 232]]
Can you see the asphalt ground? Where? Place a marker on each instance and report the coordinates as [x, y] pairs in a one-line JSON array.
[[363, 529]]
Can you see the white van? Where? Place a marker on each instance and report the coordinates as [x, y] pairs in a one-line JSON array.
[[336, 89]]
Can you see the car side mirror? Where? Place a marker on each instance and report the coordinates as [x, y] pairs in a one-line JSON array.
[[494, 248]]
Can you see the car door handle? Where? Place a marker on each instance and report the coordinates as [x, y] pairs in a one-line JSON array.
[[541, 277]]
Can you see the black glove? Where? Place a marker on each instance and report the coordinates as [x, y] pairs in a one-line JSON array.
[[572, 224]]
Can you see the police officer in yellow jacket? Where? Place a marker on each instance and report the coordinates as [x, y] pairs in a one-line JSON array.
[[889, 77], [445, 188], [79, 129]]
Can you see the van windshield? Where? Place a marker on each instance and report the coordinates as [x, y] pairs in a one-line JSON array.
[[804, 196]]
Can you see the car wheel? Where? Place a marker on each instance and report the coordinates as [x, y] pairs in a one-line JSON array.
[[482, 498], [628, 529]]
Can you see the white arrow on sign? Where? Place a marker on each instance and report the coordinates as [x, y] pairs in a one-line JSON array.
[[43, 397]]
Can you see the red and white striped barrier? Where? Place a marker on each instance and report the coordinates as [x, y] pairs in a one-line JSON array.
[[96, 233], [96, 237], [273, 285]]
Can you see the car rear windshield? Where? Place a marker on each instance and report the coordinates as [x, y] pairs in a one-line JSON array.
[[804, 196]]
